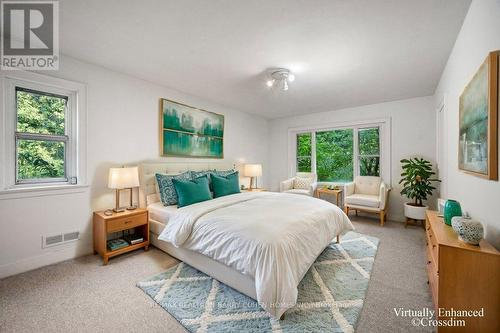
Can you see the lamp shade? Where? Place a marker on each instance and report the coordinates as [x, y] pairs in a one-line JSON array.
[[252, 170], [123, 178]]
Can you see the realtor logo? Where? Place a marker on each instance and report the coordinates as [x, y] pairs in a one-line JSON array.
[[30, 35]]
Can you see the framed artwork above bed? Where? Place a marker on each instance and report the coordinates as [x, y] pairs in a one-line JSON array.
[[186, 131], [478, 121]]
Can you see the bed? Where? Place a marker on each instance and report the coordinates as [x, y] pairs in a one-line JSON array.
[[261, 244]]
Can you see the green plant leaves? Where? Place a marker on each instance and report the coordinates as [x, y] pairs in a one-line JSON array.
[[416, 179]]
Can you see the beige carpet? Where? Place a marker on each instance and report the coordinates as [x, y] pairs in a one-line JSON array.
[[81, 295]]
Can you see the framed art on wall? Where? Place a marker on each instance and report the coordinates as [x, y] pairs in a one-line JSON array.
[[478, 122], [186, 131]]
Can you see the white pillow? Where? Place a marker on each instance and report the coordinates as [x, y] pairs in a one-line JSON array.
[[300, 183]]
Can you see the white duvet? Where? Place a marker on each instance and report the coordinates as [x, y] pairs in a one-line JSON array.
[[273, 237]]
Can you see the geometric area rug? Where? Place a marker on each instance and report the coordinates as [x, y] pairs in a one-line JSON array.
[[330, 295]]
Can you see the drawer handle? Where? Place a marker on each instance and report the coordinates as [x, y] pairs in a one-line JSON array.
[[433, 246], [127, 222], [428, 261], [430, 235]]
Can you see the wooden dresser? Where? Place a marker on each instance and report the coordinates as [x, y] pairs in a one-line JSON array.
[[462, 276]]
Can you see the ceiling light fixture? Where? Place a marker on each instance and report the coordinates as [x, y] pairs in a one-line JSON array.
[[280, 77]]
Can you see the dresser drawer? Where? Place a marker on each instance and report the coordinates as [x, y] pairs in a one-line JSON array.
[[432, 276], [432, 246], [124, 223], [431, 262]]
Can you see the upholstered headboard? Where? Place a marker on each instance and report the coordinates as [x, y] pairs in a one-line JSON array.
[[147, 171]]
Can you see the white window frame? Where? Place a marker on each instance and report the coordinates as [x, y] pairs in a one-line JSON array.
[[384, 125], [75, 122]]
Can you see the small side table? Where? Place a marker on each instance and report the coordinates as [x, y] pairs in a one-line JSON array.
[[137, 219], [336, 193], [254, 190]]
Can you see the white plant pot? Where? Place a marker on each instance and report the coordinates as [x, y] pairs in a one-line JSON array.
[[414, 212]]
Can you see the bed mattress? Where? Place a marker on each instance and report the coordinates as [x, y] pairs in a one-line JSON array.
[[159, 216]]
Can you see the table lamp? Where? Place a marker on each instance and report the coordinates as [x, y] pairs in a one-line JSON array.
[[253, 171], [121, 179]]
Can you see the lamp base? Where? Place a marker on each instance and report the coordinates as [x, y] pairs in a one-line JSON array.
[[118, 209], [253, 182]]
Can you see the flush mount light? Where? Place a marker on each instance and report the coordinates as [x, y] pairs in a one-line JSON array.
[[279, 78]]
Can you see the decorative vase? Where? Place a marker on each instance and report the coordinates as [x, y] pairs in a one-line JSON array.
[[451, 208], [468, 230]]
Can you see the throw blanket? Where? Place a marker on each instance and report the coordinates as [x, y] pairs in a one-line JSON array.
[[273, 237]]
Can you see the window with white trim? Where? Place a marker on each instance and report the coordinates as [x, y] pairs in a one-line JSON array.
[[41, 137], [44, 142], [339, 153]]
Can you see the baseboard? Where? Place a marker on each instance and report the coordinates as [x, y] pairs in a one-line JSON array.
[[53, 256]]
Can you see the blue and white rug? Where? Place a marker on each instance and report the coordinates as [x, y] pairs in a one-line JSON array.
[[330, 295]]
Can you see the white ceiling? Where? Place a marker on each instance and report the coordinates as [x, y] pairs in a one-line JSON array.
[[344, 52]]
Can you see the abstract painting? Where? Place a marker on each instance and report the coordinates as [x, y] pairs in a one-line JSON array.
[[186, 131], [477, 150]]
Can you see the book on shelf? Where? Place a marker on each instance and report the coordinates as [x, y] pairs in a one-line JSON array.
[[115, 244], [133, 239]]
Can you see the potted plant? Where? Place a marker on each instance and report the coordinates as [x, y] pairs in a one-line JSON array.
[[417, 179]]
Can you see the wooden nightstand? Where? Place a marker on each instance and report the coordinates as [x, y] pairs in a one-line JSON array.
[[137, 219], [336, 193], [254, 190]]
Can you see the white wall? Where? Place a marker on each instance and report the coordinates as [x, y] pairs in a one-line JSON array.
[[413, 134], [479, 35], [122, 129]]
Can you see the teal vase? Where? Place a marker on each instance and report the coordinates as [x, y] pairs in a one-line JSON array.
[[451, 208]]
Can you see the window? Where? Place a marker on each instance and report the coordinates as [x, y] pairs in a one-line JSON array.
[[334, 151], [41, 137], [44, 132], [304, 152], [342, 153], [369, 151]]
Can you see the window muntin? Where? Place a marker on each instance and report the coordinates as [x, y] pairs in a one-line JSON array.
[[304, 152], [41, 137]]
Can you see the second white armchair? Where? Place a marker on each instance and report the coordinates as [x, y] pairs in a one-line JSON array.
[[368, 194], [304, 183]]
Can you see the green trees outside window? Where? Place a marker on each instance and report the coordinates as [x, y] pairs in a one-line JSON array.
[[40, 135], [304, 150], [369, 151], [335, 153]]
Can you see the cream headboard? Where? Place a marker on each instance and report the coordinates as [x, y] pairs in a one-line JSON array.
[[147, 171]]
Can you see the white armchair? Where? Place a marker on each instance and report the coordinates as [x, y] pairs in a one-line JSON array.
[[368, 194], [304, 183]]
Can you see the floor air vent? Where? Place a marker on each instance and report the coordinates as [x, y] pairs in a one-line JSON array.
[[53, 240]]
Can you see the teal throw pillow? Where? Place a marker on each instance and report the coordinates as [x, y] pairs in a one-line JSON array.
[[223, 173], [225, 185], [191, 191]]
